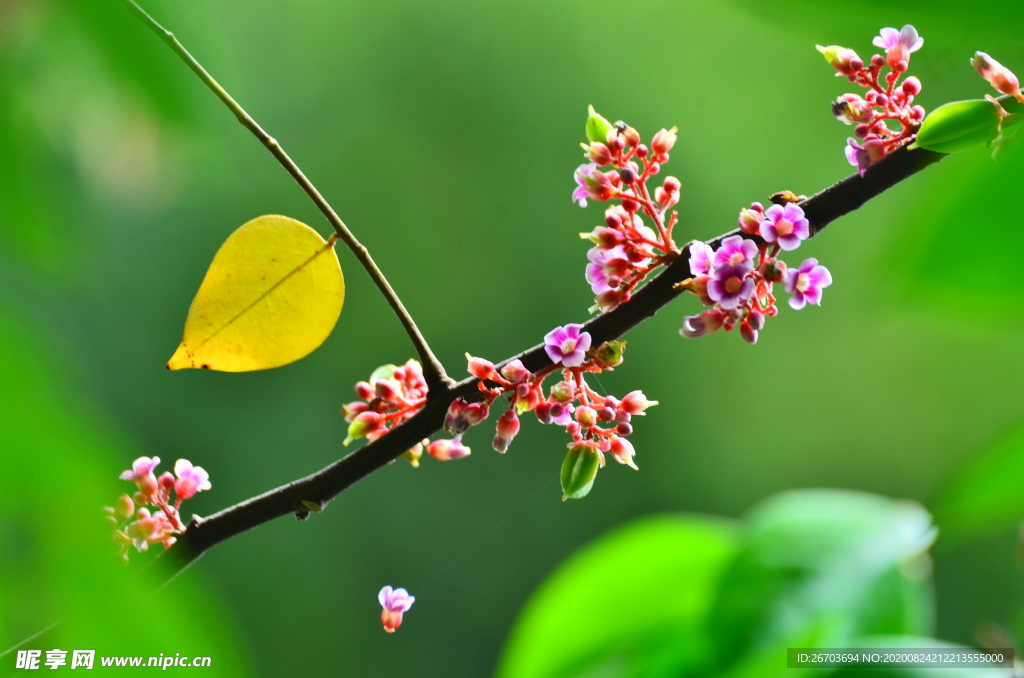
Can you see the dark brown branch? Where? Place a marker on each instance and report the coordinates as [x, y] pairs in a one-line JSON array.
[[319, 488]]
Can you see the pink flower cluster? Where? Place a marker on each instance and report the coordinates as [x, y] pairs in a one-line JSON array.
[[885, 101], [738, 278], [157, 518], [626, 250], [601, 421], [389, 397]]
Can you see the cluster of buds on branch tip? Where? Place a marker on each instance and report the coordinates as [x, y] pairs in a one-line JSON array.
[[886, 101], [626, 250], [597, 424], [149, 515]]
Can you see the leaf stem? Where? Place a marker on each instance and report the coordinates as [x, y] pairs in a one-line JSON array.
[[438, 381]]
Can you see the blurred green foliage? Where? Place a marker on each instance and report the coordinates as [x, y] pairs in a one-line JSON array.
[[445, 134]]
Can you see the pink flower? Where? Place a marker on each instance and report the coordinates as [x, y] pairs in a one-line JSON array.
[[998, 75], [150, 528], [606, 268], [805, 283], [567, 345], [785, 225], [191, 479], [735, 251], [898, 45], [142, 474], [700, 258], [394, 602], [444, 450]]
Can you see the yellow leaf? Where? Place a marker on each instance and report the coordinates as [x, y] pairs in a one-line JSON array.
[[271, 296]]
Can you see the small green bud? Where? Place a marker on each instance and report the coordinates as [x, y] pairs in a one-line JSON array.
[[579, 470], [598, 126], [312, 506], [609, 354], [382, 372], [959, 125]]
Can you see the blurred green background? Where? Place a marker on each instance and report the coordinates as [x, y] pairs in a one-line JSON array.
[[446, 134]]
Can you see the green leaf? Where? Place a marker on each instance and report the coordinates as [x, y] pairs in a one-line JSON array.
[[819, 568], [985, 496], [630, 603], [958, 126]]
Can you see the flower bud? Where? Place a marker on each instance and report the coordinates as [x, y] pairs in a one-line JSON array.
[[748, 333], [631, 136], [609, 354], [844, 60], [166, 480], [363, 425], [756, 320], [579, 470], [751, 217], [462, 415], [598, 126], [663, 141], [622, 451], [597, 153], [586, 416], [505, 431], [997, 75], [852, 109], [364, 390], [911, 86], [444, 450], [351, 410], [482, 369], [563, 391], [386, 389], [635, 403], [515, 371], [125, 507]]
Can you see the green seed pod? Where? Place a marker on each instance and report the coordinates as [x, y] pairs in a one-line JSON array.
[[598, 126], [958, 126], [579, 470]]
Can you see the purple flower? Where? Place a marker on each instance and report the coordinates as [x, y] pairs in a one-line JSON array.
[[582, 172], [785, 225], [805, 283], [735, 251], [898, 44], [394, 602], [606, 268], [700, 258], [729, 285], [567, 345]]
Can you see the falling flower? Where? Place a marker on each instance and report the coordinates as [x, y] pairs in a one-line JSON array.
[[805, 283], [785, 225], [394, 602], [567, 345]]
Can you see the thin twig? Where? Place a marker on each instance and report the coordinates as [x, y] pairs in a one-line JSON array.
[[319, 488], [433, 372]]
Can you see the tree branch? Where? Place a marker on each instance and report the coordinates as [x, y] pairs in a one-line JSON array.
[[433, 371], [318, 489]]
